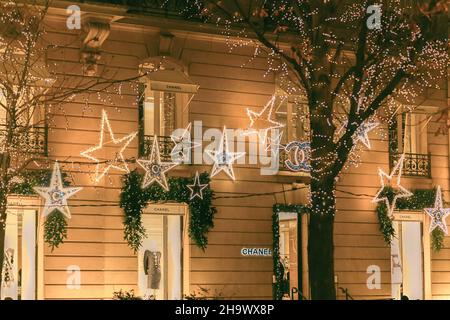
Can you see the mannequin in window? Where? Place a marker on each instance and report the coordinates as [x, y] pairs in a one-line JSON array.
[[152, 268]]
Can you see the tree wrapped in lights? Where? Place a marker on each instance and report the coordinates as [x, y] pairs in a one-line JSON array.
[[31, 87], [349, 73]]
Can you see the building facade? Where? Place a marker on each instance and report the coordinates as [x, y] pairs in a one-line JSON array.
[[202, 80]]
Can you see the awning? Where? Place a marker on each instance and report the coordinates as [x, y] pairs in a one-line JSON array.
[[171, 81]]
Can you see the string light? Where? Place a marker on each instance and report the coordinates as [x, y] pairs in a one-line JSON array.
[[223, 158], [56, 195], [94, 153], [155, 169], [438, 213], [400, 191]]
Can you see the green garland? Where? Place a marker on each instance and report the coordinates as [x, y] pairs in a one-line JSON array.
[[55, 225], [277, 287], [134, 199], [55, 229], [420, 199]]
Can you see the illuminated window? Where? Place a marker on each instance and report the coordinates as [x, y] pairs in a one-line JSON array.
[[292, 112], [163, 104], [408, 135]]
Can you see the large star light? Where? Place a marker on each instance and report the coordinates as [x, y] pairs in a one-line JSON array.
[[155, 170], [261, 123], [399, 190], [438, 213], [183, 143], [362, 132], [223, 158], [56, 195], [97, 152]]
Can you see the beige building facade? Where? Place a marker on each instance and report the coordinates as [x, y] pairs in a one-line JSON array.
[[204, 81]]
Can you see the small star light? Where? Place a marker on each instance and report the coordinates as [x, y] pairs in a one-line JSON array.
[[183, 144], [438, 213], [95, 153], [223, 159], [56, 195], [261, 123], [401, 192], [196, 188], [361, 133], [155, 170]]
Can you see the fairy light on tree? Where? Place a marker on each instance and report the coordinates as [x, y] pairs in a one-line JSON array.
[[32, 89], [348, 74]]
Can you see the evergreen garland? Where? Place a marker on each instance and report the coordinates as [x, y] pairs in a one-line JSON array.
[[134, 199], [55, 225], [277, 287], [420, 199], [55, 229]]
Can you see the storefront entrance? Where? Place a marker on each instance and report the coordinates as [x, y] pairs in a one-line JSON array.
[[163, 259], [19, 267], [410, 257]]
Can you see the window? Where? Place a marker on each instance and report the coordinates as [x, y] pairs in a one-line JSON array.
[[292, 112], [408, 135], [163, 100], [410, 131]]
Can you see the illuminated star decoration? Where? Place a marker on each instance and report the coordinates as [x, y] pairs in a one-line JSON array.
[[155, 170], [56, 195], [274, 144], [261, 123], [196, 188], [361, 133], [223, 158], [183, 144], [400, 191], [94, 153], [438, 213]]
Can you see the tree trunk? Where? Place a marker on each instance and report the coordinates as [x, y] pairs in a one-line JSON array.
[[320, 242]]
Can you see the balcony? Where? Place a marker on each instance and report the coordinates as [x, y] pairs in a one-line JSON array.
[[414, 164], [28, 140], [165, 145]]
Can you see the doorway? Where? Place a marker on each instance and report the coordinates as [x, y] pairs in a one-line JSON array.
[[19, 268], [410, 257], [163, 259]]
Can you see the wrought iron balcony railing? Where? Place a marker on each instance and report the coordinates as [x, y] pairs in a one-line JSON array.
[[167, 8], [32, 140], [165, 145], [414, 164]]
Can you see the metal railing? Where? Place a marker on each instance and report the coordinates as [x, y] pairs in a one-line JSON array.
[[414, 164], [165, 8], [32, 140], [165, 145]]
